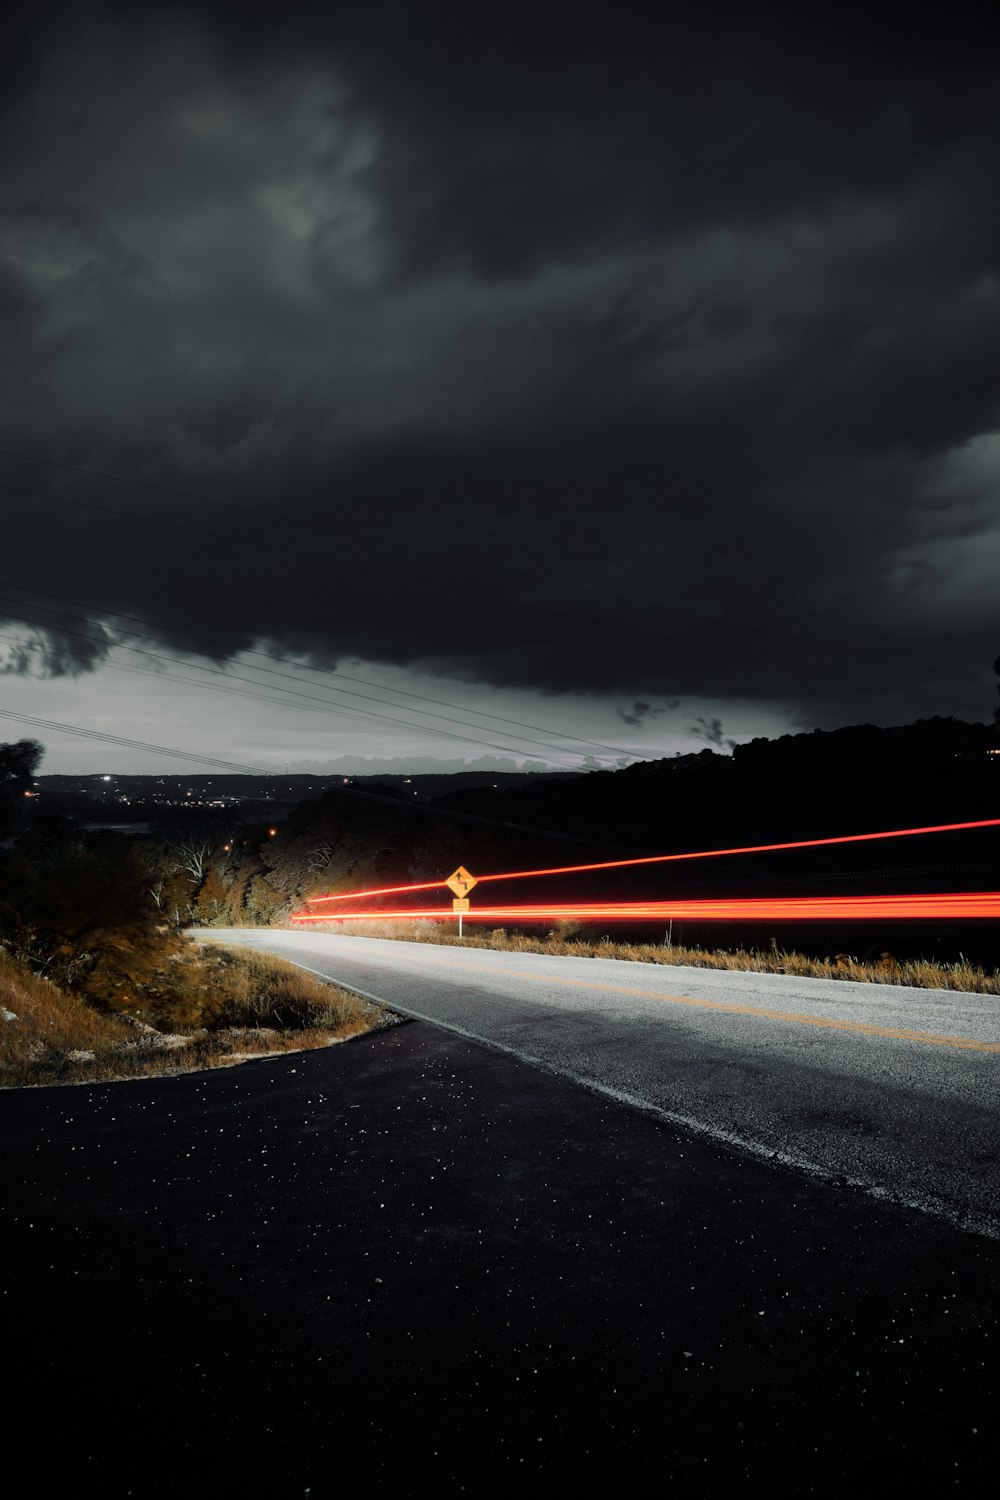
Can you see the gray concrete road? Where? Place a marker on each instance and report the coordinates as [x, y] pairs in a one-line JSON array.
[[895, 1091]]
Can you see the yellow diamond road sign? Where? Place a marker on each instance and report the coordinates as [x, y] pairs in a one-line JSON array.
[[461, 882]]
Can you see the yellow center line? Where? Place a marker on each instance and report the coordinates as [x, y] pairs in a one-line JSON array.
[[898, 1033]]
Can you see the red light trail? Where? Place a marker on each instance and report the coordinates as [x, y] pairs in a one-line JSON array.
[[383, 890], [949, 904], [659, 859]]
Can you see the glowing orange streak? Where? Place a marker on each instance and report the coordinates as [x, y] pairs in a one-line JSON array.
[[382, 890], [951, 904], [654, 859], [659, 859]]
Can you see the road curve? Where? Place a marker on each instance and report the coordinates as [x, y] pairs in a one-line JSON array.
[[890, 1089]]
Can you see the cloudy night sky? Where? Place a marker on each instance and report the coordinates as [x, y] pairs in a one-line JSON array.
[[576, 386]]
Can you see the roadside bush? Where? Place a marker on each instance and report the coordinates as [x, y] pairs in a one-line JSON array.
[[227, 1006], [42, 1027], [256, 989]]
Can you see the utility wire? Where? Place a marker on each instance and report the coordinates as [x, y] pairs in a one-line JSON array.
[[117, 739], [730, 787], [336, 711], [168, 675], [325, 705], [723, 789], [479, 597], [727, 788], [447, 814], [191, 635], [339, 530]]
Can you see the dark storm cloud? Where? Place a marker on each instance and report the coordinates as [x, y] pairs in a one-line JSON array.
[[710, 730], [636, 714], [645, 713], [692, 322]]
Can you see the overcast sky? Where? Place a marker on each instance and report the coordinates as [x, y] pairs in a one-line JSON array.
[[633, 379]]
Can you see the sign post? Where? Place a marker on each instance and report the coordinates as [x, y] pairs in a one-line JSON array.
[[461, 882]]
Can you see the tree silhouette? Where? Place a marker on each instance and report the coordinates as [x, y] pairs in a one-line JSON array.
[[18, 764]]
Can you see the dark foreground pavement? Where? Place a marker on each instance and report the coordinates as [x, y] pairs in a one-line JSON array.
[[411, 1263]]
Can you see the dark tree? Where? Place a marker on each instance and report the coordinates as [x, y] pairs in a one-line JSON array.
[[18, 764]]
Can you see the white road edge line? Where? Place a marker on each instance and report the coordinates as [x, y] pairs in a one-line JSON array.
[[968, 1223]]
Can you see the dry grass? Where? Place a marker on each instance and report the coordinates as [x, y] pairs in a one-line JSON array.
[[920, 973], [255, 1006], [39, 1019], [257, 990]]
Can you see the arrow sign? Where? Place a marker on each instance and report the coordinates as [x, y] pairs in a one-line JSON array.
[[461, 882]]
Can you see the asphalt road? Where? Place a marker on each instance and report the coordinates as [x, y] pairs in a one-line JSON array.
[[894, 1091], [414, 1265], [418, 1263]]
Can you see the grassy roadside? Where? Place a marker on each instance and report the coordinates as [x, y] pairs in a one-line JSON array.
[[920, 973], [253, 1005]]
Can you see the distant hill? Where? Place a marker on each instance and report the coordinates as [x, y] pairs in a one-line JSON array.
[[263, 845], [135, 798], [798, 786]]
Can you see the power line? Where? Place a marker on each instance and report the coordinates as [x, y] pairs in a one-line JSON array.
[[719, 789], [160, 675], [733, 787], [191, 635], [730, 789], [445, 814], [339, 530], [479, 597], [336, 711], [325, 706], [458, 815], [117, 739]]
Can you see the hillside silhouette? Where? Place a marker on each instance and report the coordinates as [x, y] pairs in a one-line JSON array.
[[65, 886]]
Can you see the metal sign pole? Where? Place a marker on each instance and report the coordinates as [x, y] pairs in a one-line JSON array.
[[461, 883]]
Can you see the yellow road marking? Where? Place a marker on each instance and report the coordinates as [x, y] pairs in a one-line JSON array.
[[898, 1033]]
